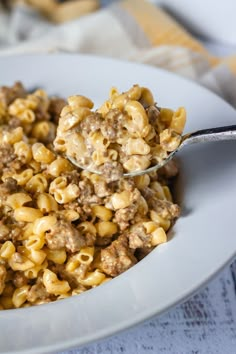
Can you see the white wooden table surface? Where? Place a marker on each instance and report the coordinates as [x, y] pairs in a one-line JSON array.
[[205, 324]]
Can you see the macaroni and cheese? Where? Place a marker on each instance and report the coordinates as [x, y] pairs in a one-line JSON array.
[[127, 133], [63, 230]]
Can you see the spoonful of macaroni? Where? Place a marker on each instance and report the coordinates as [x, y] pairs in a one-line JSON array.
[[128, 135]]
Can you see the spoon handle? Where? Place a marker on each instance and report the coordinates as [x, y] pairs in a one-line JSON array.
[[211, 134]]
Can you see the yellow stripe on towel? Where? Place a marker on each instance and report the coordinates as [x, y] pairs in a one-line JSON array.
[[231, 63], [161, 29]]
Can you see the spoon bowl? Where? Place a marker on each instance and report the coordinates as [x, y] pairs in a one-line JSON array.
[[199, 136]]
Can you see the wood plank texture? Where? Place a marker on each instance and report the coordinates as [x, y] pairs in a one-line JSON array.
[[205, 324]]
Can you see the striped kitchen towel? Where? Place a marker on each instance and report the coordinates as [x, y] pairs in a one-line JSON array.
[[131, 29]]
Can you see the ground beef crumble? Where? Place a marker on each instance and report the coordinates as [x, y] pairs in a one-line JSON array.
[[55, 107], [165, 208], [64, 234], [112, 125], [138, 238], [7, 155], [87, 195], [7, 188], [117, 258], [91, 123], [38, 292], [9, 94], [123, 217], [3, 274]]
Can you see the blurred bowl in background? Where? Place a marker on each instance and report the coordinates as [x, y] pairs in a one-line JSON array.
[[211, 19]]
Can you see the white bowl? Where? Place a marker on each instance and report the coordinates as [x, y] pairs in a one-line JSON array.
[[201, 243]]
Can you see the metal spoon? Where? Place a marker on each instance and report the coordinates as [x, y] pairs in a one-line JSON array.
[[199, 136]]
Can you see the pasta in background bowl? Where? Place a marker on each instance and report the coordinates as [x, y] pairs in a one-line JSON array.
[[169, 273]]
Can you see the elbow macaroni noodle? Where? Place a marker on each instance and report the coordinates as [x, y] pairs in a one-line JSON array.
[[64, 231]]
